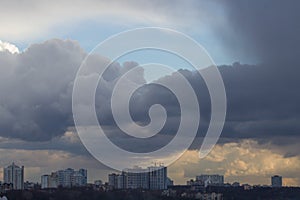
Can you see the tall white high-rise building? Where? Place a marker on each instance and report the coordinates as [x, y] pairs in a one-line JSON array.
[[157, 178], [15, 175], [64, 177], [45, 180], [79, 178]]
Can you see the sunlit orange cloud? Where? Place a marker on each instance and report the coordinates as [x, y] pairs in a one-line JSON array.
[[245, 162]]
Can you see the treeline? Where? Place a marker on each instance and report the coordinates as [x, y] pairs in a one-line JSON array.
[[85, 194], [257, 193]]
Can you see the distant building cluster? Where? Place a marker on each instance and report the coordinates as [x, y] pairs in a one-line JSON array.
[[153, 178], [65, 178], [207, 180], [150, 178]]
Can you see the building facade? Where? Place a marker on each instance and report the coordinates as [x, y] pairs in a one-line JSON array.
[[276, 181], [14, 175], [136, 178], [158, 179], [45, 179], [153, 178], [53, 180], [112, 181], [65, 178]]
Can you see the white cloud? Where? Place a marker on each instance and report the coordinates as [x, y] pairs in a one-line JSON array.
[[5, 46]]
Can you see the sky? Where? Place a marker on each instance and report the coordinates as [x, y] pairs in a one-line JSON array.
[[255, 44]]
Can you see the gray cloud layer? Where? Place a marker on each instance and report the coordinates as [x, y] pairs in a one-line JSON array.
[[37, 86]]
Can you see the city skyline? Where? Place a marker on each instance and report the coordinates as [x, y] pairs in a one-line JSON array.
[[214, 179]]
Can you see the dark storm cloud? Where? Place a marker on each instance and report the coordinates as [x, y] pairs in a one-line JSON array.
[[36, 88], [262, 101], [267, 29], [263, 98]]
